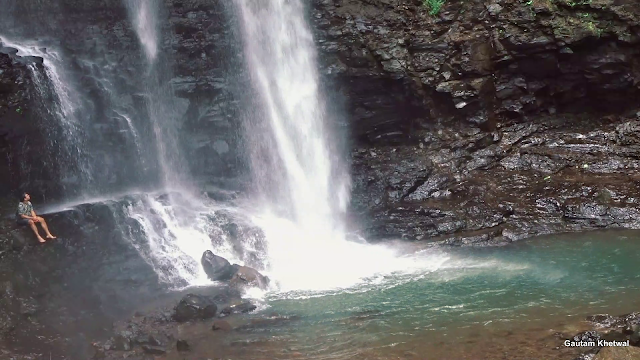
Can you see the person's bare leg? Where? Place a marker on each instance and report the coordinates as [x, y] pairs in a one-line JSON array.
[[46, 228], [33, 227]]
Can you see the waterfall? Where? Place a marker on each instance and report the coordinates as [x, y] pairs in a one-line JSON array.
[[301, 177], [313, 184], [144, 18], [163, 108], [65, 135], [174, 222]]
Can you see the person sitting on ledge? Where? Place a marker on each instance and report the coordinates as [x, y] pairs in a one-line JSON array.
[[26, 216]]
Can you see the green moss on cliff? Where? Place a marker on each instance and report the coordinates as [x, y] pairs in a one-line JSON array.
[[434, 6]]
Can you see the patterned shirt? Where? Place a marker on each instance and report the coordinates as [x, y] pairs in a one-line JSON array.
[[24, 209]]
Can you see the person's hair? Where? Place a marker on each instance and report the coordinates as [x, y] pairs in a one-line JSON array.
[[24, 195]]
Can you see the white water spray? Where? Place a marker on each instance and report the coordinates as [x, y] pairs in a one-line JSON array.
[[303, 180], [145, 22], [175, 225]]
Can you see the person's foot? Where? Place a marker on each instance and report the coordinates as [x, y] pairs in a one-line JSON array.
[[41, 240], [51, 237]]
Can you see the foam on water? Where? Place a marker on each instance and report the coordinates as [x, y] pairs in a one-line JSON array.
[[321, 260], [301, 176], [175, 240]]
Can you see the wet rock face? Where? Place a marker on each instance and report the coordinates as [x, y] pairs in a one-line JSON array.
[[216, 267], [104, 60], [400, 67], [21, 133], [461, 186]]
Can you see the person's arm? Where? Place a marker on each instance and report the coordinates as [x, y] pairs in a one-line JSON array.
[[34, 217]]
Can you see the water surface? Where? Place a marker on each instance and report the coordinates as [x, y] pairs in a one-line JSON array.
[[479, 303]]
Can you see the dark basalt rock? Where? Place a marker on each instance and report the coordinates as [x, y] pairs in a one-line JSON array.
[[552, 176], [243, 307], [216, 267], [194, 307], [182, 345], [248, 277], [474, 65]]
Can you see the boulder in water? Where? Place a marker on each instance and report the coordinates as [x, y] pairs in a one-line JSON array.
[[194, 307], [216, 267], [240, 308], [248, 277]]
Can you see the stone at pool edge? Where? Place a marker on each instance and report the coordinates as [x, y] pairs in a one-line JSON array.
[[182, 345], [241, 308], [154, 349], [618, 353], [221, 325], [195, 307], [240, 277], [621, 327]]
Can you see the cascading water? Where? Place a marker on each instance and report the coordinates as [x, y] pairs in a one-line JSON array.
[[174, 223], [162, 106], [127, 142], [144, 20], [71, 160], [302, 179]]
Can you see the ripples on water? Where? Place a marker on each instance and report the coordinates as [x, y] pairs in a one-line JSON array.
[[520, 292]]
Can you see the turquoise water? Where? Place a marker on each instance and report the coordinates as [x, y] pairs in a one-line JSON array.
[[541, 285]]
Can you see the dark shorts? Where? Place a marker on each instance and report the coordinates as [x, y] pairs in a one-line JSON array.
[[22, 222]]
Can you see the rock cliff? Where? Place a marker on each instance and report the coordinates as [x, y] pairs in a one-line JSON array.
[[478, 62], [488, 121]]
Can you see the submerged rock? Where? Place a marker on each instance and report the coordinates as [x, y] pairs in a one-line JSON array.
[[241, 308], [221, 325], [194, 307]]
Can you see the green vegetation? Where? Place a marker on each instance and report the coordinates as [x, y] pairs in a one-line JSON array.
[[593, 28], [434, 6], [590, 24], [573, 3], [19, 110]]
